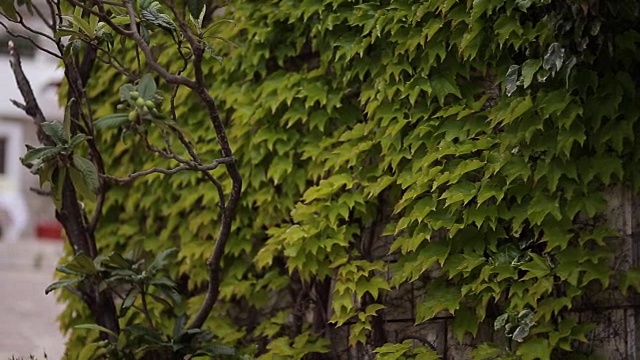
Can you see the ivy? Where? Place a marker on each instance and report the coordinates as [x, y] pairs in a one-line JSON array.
[[461, 149]]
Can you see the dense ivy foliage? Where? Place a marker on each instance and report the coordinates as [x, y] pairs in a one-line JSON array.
[[455, 150]]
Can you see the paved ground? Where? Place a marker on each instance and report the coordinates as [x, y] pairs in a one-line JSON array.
[[27, 316]]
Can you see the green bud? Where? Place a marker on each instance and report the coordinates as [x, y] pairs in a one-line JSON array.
[[140, 102], [149, 104], [134, 94], [133, 115]]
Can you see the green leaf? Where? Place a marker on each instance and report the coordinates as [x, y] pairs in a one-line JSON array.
[[529, 69], [96, 327], [40, 155], [60, 283], [161, 260], [58, 177], [66, 122], [485, 351], [125, 92], [89, 172], [537, 348], [79, 183], [511, 80], [76, 140], [537, 267], [372, 286], [554, 58], [115, 259], [523, 4], [55, 131], [521, 332], [630, 279], [111, 121], [465, 321], [438, 297], [196, 9], [82, 264], [501, 321], [90, 351], [147, 87], [129, 300], [162, 21], [83, 25], [443, 86]]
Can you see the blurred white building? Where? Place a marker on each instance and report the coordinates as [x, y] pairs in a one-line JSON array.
[[20, 208]]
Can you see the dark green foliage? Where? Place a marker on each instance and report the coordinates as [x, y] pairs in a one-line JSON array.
[[461, 147]]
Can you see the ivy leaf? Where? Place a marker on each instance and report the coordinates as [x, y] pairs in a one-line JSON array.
[[465, 321], [529, 69], [568, 67], [554, 58], [537, 267], [89, 172], [537, 348], [630, 279], [523, 4], [438, 297], [485, 351], [443, 86], [501, 321], [521, 332], [511, 81], [372, 286]]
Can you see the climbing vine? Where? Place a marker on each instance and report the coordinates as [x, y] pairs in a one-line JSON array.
[[403, 162]]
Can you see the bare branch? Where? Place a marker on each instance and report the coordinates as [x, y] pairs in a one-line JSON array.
[[29, 28], [30, 106], [214, 261], [44, 19], [19, 105], [155, 170]]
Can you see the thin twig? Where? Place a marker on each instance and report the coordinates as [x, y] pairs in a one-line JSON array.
[[44, 19], [145, 308], [155, 170], [30, 40], [40, 192], [30, 29]]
